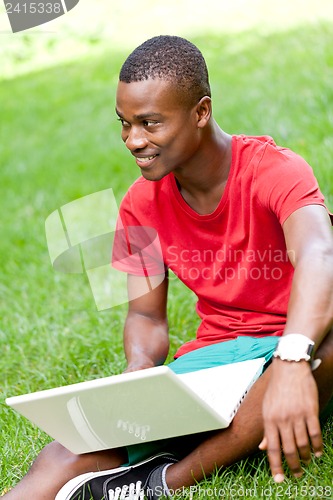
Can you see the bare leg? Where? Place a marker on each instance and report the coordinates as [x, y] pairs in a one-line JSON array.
[[242, 438], [55, 466]]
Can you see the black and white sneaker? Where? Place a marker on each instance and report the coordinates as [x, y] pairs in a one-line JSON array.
[[143, 480]]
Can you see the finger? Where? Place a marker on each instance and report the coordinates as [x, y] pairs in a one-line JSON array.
[[290, 450], [302, 441], [273, 446], [315, 434], [263, 444]]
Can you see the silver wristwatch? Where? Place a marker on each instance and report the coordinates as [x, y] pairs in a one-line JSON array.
[[294, 347]]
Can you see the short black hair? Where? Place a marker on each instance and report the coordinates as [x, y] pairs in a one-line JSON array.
[[169, 58]]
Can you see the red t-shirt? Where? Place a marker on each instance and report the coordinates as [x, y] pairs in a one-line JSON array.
[[234, 259]]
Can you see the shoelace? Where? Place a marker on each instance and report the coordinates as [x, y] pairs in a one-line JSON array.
[[132, 491]]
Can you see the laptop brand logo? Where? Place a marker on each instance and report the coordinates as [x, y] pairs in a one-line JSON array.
[[25, 14], [139, 431]]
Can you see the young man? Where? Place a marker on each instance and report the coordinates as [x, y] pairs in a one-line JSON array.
[[243, 224]]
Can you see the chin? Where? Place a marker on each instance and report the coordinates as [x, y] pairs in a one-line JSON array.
[[153, 176]]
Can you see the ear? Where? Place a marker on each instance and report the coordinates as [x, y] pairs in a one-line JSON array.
[[204, 111]]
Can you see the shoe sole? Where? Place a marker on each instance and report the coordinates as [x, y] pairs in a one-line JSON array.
[[74, 484]]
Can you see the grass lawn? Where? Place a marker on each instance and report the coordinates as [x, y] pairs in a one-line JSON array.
[[61, 141]]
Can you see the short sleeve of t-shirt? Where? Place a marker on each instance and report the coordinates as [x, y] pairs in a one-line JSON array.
[[136, 248], [285, 182]]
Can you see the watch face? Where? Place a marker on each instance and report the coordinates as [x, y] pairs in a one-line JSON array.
[[294, 347]]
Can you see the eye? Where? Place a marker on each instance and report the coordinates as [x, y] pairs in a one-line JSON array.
[[123, 122], [149, 123]]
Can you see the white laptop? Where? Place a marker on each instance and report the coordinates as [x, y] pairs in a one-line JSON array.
[[140, 406]]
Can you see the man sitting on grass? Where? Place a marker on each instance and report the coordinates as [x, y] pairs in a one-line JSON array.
[[243, 224]]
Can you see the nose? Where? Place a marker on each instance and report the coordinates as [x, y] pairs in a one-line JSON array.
[[135, 139]]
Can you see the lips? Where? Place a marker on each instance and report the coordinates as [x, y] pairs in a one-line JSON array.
[[145, 161]]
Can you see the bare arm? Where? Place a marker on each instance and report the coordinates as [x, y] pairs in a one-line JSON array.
[[291, 410], [146, 340], [309, 239]]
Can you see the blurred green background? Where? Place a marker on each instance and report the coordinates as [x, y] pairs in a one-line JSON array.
[[271, 70]]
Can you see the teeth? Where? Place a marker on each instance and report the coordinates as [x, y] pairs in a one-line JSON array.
[[147, 158]]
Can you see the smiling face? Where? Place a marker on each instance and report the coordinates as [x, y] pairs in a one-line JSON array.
[[161, 130]]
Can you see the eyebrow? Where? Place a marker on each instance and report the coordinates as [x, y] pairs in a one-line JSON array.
[[143, 116]]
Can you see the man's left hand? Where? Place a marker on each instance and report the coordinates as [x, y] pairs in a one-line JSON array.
[[291, 417]]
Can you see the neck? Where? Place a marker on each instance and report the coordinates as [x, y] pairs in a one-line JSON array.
[[202, 183]]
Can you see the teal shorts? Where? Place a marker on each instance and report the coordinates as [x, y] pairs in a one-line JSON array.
[[232, 351]]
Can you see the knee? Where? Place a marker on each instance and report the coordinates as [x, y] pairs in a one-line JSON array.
[[325, 350], [56, 458], [324, 374]]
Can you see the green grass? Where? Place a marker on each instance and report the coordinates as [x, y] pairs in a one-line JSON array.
[[60, 141]]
